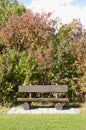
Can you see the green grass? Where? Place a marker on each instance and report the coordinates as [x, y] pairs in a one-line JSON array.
[[44, 122]]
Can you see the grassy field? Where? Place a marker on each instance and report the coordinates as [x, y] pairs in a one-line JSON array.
[[43, 122]]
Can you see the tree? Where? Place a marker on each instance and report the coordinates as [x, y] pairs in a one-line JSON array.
[[32, 32], [9, 7], [69, 59], [26, 47]]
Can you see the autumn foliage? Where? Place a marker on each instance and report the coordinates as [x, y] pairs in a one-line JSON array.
[[32, 51], [32, 32], [70, 64]]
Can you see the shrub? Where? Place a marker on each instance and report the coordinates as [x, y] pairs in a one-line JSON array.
[[16, 69], [69, 60]]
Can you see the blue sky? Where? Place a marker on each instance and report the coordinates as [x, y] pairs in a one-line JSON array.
[[25, 1], [75, 2], [66, 10], [80, 2]]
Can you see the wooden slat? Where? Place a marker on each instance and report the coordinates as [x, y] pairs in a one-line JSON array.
[[43, 88], [43, 100]]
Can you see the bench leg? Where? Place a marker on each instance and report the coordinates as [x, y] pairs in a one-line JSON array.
[[58, 106], [26, 106]]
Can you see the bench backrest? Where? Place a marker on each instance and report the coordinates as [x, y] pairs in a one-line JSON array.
[[43, 88]]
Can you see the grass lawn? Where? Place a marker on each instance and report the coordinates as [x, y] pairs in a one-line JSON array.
[[43, 122]]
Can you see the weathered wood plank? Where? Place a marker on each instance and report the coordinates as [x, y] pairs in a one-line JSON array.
[[43, 88], [61, 100]]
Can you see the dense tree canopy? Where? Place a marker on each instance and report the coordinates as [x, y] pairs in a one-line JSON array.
[[33, 52], [69, 59], [9, 7], [32, 32]]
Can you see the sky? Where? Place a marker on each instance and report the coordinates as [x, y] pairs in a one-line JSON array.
[[66, 10]]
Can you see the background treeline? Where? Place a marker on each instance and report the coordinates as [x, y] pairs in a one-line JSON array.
[[34, 51]]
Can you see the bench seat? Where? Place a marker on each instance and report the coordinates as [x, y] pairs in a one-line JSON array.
[[54, 100]]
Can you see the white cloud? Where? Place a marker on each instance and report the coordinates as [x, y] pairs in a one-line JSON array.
[[62, 8]]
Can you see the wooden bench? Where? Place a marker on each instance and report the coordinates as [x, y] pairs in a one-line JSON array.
[[52, 89]]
